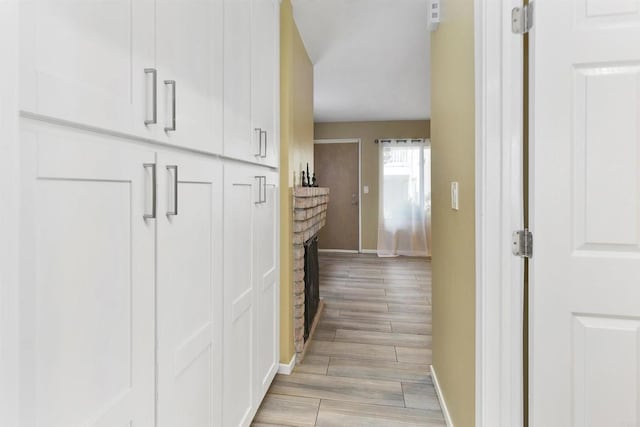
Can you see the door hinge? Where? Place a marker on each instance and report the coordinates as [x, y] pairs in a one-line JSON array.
[[522, 243], [522, 19]]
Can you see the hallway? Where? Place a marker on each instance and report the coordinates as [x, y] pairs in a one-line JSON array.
[[368, 363]]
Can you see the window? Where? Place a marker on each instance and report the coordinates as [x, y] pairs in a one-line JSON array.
[[405, 198]]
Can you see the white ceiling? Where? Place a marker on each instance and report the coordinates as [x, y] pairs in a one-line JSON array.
[[371, 58]]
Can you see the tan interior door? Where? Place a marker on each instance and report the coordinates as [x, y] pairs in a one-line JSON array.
[[336, 167]]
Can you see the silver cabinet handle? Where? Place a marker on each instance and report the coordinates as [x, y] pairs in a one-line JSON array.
[[259, 131], [154, 96], [175, 190], [154, 197], [265, 143], [172, 83], [262, 187], [259, 178]]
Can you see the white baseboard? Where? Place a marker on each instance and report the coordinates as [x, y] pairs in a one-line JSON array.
[[287, 368], [338, 251], [443, 404], [369, 251]]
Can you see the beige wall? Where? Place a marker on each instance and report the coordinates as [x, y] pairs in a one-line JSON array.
[[368, 132], [296, 149], [453, 159]]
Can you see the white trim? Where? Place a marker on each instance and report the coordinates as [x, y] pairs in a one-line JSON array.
[[9, 215], [287, 368], [369, 251], [337, 141], [443, 403], [499, 211], [414, 254], [359, 142], [338, 251]]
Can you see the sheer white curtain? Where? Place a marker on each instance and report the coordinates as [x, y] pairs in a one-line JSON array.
[[404, 218]]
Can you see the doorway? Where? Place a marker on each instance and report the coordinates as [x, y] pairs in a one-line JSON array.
[[337, 166]]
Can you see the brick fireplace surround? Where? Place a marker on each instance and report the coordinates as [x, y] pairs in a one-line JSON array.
[[309, 216]]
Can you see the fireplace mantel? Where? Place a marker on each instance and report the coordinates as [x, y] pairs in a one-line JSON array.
[[309, 216]]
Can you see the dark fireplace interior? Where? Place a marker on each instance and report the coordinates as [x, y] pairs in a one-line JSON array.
[[311, 284]]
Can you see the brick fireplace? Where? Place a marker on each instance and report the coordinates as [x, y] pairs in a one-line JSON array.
[[310, 215]]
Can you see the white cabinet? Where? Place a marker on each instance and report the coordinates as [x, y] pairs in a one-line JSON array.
[[251, 289], [145, 273], [198, 74], [87, 286], [265, 78], [240, 196], [267, 284], [252, 80], [84, 62], [189, 291], [189, 63], [148, 68], [240, 140], [122, 282]]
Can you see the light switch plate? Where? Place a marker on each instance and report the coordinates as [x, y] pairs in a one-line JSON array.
[[365, 189], [454, 196]]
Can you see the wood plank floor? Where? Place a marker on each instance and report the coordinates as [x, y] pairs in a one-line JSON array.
[[368, 362]]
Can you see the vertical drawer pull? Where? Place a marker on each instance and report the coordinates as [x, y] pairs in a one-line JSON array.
[[259, 131], [174, 212], [172, 83], [265, 144], [154, 96], [262, 187], [154, 195]]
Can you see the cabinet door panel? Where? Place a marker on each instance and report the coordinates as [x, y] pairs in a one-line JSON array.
[[240, 140], [189, 291], [87, 312], [265, 75], [189, 52], [239, 294], [84, 61], [267, 287]]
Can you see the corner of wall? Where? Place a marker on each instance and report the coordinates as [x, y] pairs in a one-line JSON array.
[[453, 239], [296, 148]]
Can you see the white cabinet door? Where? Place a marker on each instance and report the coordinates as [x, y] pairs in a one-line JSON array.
[[87, 281], [189, 54], [240, 197], [241, 141], [252, 80], [267, 284], [265, 77], [189, 291], [85, 62]]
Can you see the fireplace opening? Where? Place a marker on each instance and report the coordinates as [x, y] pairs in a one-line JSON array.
[[311, 284]]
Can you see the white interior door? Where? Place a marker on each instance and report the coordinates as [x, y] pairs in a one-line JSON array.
[[189, 53], [85, 61], [189, 291], [87, 282], [267, 285], [240, 197], [585, 197]]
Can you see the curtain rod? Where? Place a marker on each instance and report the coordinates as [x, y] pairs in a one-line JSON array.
[[398, 141]]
